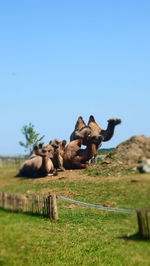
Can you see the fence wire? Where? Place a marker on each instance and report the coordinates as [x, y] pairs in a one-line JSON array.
[[96, 206]]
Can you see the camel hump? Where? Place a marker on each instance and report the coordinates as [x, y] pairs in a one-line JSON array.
[[80, 123], [80, 118], [91, 119]]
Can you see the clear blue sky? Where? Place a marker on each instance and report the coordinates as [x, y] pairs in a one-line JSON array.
[[61, 59]]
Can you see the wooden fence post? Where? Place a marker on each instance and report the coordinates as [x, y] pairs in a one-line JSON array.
[[143, 217], [53, 207]]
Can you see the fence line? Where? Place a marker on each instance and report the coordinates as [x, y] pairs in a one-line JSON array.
[[47, 206], [25, 203], [143, 216], [96, 206]]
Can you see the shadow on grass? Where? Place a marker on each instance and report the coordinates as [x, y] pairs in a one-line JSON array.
[[135, 237], [28, 177], [25, 213]]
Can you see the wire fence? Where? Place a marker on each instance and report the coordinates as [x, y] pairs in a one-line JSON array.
[[101, 207], [47, 206]]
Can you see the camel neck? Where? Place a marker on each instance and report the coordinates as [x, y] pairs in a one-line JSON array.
[[108, 133], [91, 150], [44, 167]]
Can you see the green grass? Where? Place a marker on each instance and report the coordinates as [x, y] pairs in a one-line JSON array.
[[81, 236]]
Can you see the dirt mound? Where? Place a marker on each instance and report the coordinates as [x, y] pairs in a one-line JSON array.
[[130, 152], [124, 159]]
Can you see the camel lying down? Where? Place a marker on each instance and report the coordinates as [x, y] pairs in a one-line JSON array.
[[76, 158], [58, 155], [44, 160], [38, 165]]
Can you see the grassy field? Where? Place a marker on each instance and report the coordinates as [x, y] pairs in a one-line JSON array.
[[82, 235]]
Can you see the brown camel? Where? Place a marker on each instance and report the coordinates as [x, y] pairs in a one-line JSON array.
[[39, 165], [76, 158], [88, 133], [83, 131], [94, 131], [59, 147]]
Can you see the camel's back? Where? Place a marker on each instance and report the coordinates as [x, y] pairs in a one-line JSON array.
[[32, 165], [71, 149]]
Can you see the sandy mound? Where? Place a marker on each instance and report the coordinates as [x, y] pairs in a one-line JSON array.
[[130, 152], [124, 159]]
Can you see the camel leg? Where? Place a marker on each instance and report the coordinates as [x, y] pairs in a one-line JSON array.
[[60, 162], [77, 164]]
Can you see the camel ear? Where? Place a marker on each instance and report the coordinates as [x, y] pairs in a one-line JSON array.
[[35, 148], [63, 143], [40, 145], [91, 119]]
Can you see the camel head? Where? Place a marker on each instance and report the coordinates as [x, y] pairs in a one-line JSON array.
[[114, 121], [58, 146], [95, 139], [55, 143], [83, 134], [46, 151]]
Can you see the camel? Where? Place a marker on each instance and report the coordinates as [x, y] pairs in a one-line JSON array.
[[93, 131], [76, 158], [89, 133], [59, 147], [83, 131], [40, 165]]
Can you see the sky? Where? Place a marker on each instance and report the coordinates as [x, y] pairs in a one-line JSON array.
[[64, 59]]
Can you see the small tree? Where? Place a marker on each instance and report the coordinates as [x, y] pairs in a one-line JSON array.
[[31, 136]]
